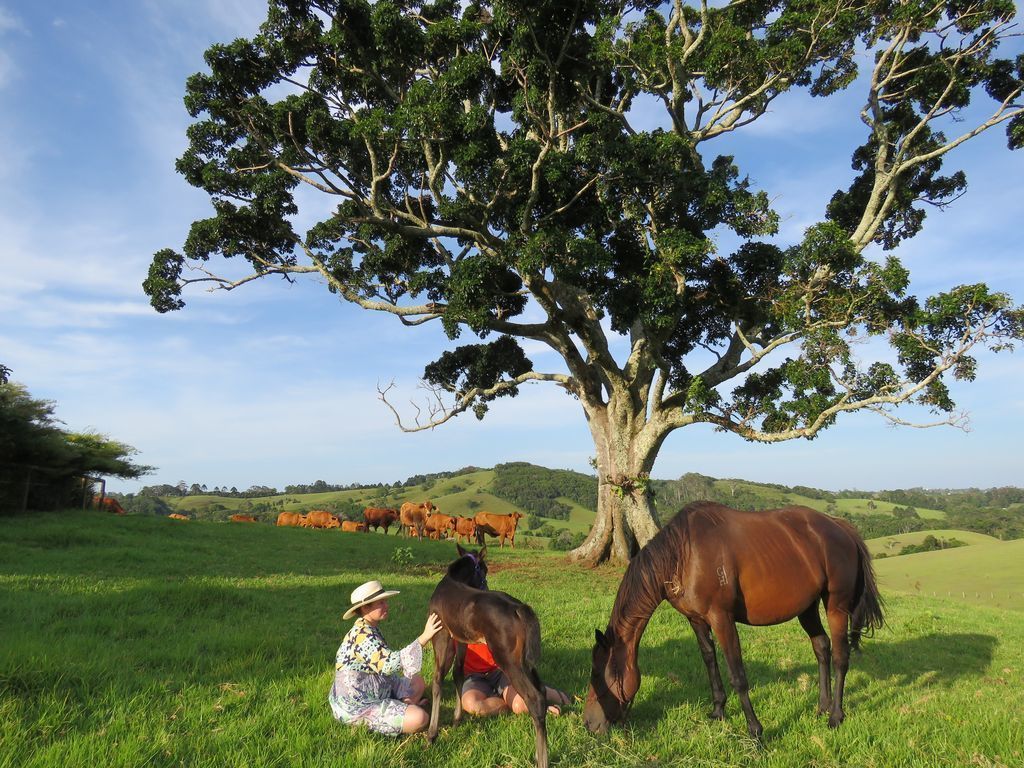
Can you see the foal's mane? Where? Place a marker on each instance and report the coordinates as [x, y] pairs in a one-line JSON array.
[[650, 576]]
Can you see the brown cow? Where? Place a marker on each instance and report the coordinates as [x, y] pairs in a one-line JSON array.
[[289, 518], [437, 525], [242, 519], [353, 527], [465, 526], [377, 517], [320, 518], [109, 504], [499, 526], [415, 516], [177, 516]]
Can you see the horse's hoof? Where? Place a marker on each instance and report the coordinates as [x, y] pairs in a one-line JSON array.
[[716, 714], [834, 721]]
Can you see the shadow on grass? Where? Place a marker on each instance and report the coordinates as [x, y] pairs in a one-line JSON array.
[[677, 674]]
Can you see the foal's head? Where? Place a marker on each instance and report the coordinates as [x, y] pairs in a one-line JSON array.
[[470, 568]]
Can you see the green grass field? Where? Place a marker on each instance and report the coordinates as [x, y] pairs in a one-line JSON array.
[[131, 641], [986, 574]]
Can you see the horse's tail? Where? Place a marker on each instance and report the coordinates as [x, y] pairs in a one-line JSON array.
[[867, 612]]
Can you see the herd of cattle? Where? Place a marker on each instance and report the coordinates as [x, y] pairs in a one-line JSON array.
[[422, 521]]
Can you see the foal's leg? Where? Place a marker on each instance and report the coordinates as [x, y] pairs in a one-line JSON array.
[[725, 631], [707, 652], [527, 683], [810, 620], [444, 653], [838, 623], [459, 675]]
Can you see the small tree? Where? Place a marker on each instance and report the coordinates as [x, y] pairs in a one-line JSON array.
[[483, 157]]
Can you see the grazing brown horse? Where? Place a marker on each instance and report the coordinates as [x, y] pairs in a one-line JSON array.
[[718, 566], [471, 614]]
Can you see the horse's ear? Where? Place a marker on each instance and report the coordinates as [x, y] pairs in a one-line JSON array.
[[461, 551], [482, 554], [600, 638]]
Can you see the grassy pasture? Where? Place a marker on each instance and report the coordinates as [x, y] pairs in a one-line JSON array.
[[891, 545], [144, 641], [979, 575]]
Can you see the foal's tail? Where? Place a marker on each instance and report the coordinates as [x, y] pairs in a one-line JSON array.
[[867, 606]]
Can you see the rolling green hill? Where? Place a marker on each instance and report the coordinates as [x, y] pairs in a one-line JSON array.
[[563, 499], [981, 574], [891, 545]]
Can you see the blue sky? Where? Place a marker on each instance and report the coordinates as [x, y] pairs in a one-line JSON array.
[[278, 384]]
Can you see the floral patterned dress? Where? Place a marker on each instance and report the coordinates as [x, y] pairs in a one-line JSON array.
[[368, 685]]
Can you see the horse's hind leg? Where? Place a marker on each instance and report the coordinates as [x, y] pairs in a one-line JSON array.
[[728, 638], [707, 652], [838, 623], [810, 620], [444, 653], [533, 691]]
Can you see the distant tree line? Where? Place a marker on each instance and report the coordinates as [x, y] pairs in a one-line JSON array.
[[537, 489]]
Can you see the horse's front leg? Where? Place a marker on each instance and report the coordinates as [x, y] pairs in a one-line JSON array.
[[724, 627], [707, 652], [810, 620], [444, 652]]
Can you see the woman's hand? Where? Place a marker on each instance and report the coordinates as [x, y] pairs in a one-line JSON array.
[[432, 627]]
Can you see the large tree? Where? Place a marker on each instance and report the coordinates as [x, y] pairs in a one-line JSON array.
[[482, 158]]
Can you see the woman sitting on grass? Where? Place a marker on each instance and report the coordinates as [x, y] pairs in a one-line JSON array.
[[486, 690], [368, 688]]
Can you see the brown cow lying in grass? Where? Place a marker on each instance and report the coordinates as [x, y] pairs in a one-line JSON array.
[[289, 519], [108, 504], [178, 516], [242, 519], [353, 527]]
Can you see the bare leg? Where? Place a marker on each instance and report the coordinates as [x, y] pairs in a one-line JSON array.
[[418, 686], [553, 698], [480, 704], [415, 720]]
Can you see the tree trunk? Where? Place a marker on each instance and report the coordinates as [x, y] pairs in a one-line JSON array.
[[627, 446]]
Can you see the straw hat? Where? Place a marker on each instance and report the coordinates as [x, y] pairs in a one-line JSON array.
[[365, 594]]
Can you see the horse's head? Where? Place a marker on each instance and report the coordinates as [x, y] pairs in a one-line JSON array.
[[470, 568], [614, 681]]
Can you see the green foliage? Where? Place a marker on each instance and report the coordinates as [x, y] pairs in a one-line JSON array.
[[51, 462], [537, 490], [402, 557], [480, 155]]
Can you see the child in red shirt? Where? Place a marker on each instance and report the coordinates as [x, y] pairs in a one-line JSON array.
[[487, 691]]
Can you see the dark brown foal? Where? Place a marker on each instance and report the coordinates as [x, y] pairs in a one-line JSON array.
[[472, 614]]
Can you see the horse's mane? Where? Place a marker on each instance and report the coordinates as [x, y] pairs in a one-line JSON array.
[[651, 573]]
